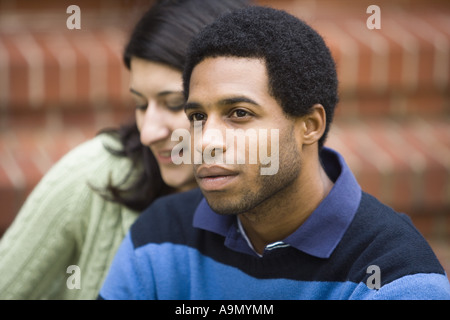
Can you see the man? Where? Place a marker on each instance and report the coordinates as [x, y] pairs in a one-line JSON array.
[[307, 231]]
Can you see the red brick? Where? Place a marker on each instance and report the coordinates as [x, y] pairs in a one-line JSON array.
[[10, 202], [425, 223]]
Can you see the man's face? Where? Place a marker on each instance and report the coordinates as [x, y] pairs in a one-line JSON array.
[[227, 94]]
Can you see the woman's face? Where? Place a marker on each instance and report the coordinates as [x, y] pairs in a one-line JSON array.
[[157, 91]]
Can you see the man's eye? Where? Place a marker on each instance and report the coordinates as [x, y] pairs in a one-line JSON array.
[[197, 117], [239, 113]]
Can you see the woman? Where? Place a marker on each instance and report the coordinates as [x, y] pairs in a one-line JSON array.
[[63, 239]]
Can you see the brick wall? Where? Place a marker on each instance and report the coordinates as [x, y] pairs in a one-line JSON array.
[[58, 87]]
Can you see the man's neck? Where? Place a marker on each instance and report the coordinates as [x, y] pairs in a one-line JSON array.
[[285, 212]]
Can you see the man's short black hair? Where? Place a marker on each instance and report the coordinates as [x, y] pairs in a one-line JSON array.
[[300, 67]]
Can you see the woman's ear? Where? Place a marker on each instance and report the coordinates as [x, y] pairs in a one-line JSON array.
[[313, 124]]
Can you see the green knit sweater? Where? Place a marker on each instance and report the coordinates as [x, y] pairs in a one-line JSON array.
[[65, 223]]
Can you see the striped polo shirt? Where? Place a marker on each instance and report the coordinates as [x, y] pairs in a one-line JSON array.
[[350, 247]]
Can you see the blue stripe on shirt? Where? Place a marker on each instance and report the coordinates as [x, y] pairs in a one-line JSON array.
[[179, 272]]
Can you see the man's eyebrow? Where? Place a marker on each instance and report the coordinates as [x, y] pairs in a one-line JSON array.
[[191, 105], [235, 100], [223, 102]]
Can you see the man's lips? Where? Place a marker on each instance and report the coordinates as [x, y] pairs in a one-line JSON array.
[[214, 171], [212, 178]]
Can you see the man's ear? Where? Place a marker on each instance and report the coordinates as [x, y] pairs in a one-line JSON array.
[[313, 125]]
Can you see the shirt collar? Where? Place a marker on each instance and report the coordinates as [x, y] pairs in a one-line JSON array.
[[320, 233]]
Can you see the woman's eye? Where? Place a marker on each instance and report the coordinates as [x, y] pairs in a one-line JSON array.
[[176, 108], [175, 103], [141, 107]]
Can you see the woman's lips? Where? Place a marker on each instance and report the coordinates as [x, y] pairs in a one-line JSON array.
[[165, 156]]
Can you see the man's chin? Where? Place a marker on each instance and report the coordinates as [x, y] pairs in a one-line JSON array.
[[227, 205], [220, 204]]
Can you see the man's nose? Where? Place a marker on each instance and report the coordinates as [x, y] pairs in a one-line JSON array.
[[212, 145]]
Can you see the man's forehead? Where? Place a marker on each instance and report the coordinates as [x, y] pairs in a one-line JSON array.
[[229, 76], [229, 63]]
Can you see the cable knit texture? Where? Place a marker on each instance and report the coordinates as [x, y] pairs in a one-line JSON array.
[[63, 223]]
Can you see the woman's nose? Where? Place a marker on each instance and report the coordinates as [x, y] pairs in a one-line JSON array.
[[153, 125]]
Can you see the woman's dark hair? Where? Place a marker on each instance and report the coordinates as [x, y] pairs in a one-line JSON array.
[[300, 67], [161, 35]]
